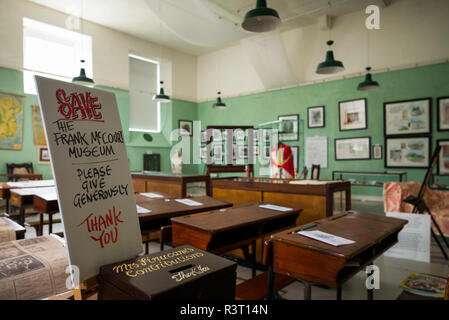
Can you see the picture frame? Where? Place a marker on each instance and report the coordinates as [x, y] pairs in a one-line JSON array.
[[353, 148], [266, 152], [239, 135], [408, 117], [243, 152], [407, 152], [216, 135], [288, 131], [204, 137], [203, 153], [13, 109], [315, 117], [218, 153], [377, 152], [443, 113], [443, 157], [43, 156], [185, 127], [352, 114], [256, 134]]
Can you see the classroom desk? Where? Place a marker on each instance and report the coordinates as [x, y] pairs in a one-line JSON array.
[[151, 196], [167, 182], [164, 209], [6, 187], [225, 230], [316, 262], [23, 198], [17, 228], [316, 198]]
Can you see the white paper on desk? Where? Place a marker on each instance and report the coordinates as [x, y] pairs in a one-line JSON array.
[[189, 202], [326, 237], [152, 195], [32, 183], [32, 191], [275, 207], [414, 238], [48, 196], [141, 210]]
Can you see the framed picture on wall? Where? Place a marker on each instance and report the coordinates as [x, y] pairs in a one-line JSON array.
[[407, 117], [315, 117], [407, 152], [443, 158], [185, 127], [288, 127], [377, 151], [353, 148], [352, 114], [43, 156], [443, 113], [218, 153], [239, 135]]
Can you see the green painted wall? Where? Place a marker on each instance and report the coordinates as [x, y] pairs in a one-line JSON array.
[[11, 81], [429, 81]]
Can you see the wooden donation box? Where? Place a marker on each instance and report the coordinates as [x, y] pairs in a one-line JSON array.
[[180, 273]]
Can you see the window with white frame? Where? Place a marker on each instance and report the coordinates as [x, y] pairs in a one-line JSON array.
[[53, 52], [143, 82]]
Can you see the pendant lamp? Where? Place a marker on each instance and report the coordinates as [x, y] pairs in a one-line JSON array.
[[82, 79], [330, 65], [368, 84], [219, 104], [261, 19], [161, 97]]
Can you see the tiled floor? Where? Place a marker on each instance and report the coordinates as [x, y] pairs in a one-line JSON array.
[[392, 271]]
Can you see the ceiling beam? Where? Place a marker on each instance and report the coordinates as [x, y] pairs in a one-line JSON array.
[[383, 3]]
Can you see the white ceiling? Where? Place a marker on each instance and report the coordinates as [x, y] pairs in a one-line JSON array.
[[197, 26]]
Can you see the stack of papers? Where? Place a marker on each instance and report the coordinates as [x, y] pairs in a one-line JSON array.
[[141, 210], [326, 237], [189, 202], [152, 195], [275, 207]]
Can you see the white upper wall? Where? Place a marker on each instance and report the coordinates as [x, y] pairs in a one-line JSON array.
[[412, 32], [110, 50]]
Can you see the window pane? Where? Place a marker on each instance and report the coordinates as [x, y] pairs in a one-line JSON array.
[[144, 112], [56, 52]]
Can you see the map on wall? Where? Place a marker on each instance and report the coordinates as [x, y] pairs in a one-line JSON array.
[[11, 121], [38, 128]]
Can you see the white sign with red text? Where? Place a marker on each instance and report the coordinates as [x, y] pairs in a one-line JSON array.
[[91, 170]]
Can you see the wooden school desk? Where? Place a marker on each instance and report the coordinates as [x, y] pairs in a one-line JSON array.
[[167, 182], [18, 229], [24, 198], [316, 198], [164, 209], [145, 197], [5, 187], [225, 230], [316, 262]]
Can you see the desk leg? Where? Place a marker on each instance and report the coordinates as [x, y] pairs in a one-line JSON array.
[[50, 223], [307, 291], [22, 216], [7, 205], [41, 224], [339, 293], [253, 257]]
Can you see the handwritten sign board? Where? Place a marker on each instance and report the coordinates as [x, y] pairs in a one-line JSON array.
[[91, 171]]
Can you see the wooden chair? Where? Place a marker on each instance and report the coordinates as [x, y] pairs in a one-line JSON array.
[[315, 175], [16, 170], [266, 284]]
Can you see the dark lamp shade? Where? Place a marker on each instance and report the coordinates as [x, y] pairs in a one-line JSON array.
[[161, 97], [219, 104], [368, 84], [82, 79], [330, 65], [261, 19]]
